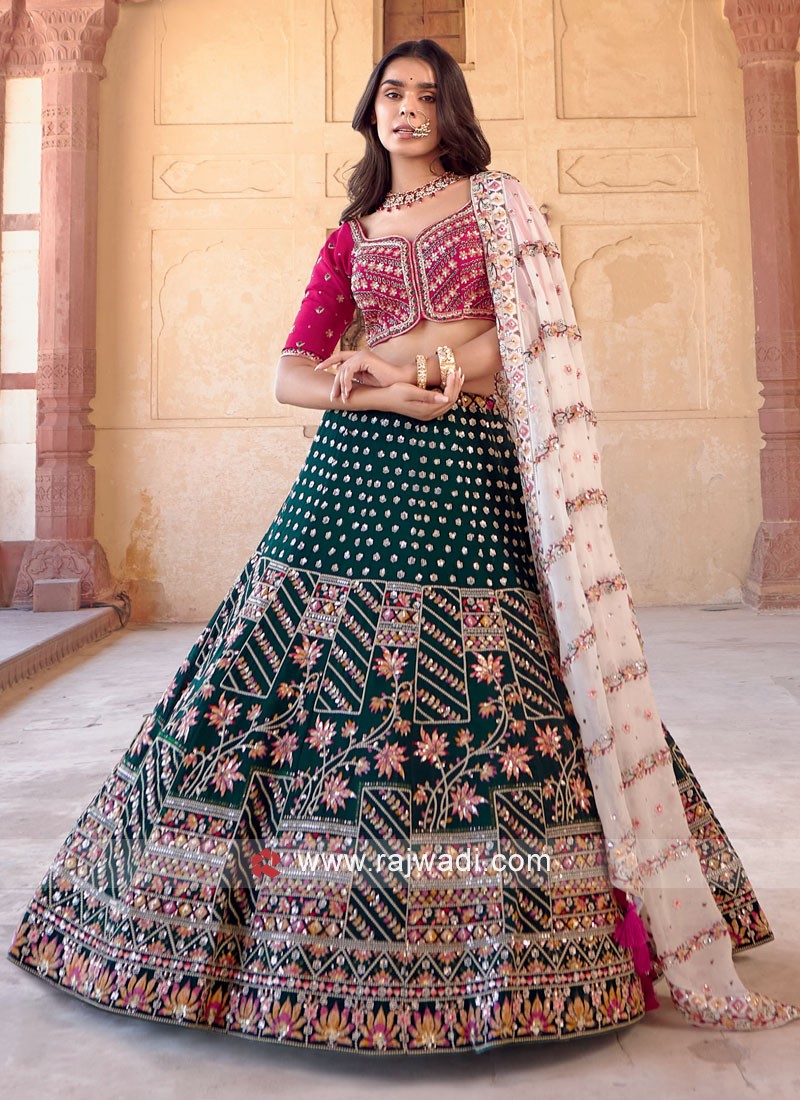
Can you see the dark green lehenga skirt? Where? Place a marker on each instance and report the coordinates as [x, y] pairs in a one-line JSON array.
[[359, 818]]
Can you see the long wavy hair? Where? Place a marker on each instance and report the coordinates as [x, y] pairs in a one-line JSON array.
[[463, 148]]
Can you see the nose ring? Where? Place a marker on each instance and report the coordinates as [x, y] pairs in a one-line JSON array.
[[424, 129]]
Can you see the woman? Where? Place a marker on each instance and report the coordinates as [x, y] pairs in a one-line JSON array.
[[409, 791]]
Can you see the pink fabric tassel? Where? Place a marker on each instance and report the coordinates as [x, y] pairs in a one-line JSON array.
[[630, 932]]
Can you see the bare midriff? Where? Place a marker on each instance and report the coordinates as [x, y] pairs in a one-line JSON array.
[[426, 336]]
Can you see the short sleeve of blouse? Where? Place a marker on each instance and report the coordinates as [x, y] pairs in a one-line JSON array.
[[327, 306]]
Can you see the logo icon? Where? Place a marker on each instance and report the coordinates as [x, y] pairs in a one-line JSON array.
[[266, 862]]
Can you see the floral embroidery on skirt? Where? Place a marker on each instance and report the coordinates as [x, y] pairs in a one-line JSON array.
[[360, 817]]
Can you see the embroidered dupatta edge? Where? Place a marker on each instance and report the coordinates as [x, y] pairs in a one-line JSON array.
[[544, 397]]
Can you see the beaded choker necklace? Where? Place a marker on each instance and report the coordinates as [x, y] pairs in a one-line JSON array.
[[397, 199]]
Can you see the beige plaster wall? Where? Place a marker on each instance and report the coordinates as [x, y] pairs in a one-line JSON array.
[[224, 136], [19, 296]]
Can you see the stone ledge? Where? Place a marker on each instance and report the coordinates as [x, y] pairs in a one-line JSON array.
[[31, 642]]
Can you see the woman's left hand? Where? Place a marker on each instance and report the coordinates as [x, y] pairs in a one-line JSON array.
[[365, 366]]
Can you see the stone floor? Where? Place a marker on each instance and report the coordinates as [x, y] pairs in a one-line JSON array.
[[31, 641], [728, 685]]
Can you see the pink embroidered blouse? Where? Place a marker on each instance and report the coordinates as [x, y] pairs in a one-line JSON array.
[[440, 276]]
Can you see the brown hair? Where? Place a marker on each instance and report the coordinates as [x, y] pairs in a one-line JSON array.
[[463, 149]]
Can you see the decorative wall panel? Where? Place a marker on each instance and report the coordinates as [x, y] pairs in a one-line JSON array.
[[581, 171], [228, 177], [239, 70], [220, 316], [639, 296], [624, 60]]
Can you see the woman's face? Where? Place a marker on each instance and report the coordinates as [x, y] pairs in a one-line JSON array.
[[406, 96]]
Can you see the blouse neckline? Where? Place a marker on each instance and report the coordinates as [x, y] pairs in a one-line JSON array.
[[399, 237]]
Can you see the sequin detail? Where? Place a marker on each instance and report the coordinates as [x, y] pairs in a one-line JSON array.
[[327, 306], [601, 745], [559, 328], [634, 671], [301, 351], [439, 276], [537, 248], [645, 766], [558, 549], [716, 931], [583, 641], [575, 412], [380, 678], [734, 1013], [546, 448], [588, 496], [605, 587], [677, 850]]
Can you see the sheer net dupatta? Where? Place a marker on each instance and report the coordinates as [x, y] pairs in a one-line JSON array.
[[544, 395]]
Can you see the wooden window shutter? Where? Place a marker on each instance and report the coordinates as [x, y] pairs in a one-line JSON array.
[[441, 20]]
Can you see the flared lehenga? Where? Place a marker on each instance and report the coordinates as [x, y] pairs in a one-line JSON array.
[[301, 844]]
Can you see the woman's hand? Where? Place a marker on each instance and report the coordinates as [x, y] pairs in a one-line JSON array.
[[365, 366], [409, 400]]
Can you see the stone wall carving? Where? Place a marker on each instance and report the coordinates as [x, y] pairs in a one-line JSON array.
[[68, 126], [36, 35], [229, 176], [22, 37], [64, 43], [767, 31], [582, 171]]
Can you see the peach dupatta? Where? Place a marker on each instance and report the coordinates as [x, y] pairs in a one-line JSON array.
[[544, 396]]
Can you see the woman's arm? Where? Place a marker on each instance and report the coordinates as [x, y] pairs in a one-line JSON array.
[[298, 383], [479, 359]]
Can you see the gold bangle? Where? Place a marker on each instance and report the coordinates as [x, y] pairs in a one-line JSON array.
[[447, 362], [422, 372]]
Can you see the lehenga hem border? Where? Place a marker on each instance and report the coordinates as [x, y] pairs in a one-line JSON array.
[[483, 1048]]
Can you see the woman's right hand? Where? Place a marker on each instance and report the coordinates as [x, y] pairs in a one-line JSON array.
[[409, 400]]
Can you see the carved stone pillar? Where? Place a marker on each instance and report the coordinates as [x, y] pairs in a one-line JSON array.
[[71, 37], [766, 33]]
